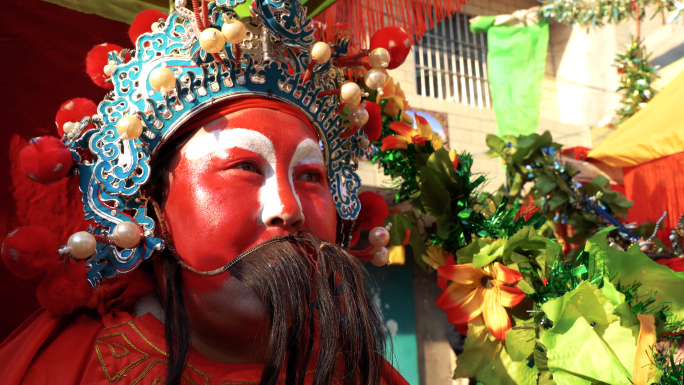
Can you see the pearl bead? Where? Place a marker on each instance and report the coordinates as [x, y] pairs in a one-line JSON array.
[[379, 236], [212, 41], [129, 127], [69, 127], [364, 143], [126, 235], [379, 58], [81, 245], [155, 25], [321, 52], [234, 31], [162, 79], [350, 93], [109, 69], [358, 116], [375, 78], [380, 257]]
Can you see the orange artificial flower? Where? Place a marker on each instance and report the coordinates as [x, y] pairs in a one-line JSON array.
[[480, 291], [406, 136], [425, 130], [396, 100]]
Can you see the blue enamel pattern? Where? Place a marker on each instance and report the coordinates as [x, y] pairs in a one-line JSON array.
[[113, 181]]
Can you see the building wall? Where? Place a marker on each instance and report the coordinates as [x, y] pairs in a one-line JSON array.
[[578, 92]]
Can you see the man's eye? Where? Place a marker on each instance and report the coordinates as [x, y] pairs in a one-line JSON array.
[[313, 177], [247, 166]]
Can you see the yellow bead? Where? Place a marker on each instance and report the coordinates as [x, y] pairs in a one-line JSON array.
[[212, 41], [129, 127], [234, 31], [321, 52], [126, 235], [375, 78], [162, 79], [380, 257], [350, 94], [379, 58], [358, 116], [81, 245]]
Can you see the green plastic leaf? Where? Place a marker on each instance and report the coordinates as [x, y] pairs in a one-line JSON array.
[[466, 254], [435, 198], [545, 184], [520, 342], [486, 358], [398, 230], [587, 340], [497, 146], [489, 253]]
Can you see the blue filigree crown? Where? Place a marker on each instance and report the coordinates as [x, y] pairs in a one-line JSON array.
[[271, 61]]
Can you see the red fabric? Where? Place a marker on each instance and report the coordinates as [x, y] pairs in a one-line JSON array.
[[240, 104], [577, 152], [656, 187], [87, 349], [676, 264], [44, 48]]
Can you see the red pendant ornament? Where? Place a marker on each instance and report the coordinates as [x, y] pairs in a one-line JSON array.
[[73, 111], [46, 160], [29, 251], [396, 41], [143, 23], [96, 60]]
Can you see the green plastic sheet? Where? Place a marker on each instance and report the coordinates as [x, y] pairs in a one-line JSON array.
[[516, 60]]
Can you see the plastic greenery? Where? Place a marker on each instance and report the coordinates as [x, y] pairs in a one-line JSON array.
[[600, 12], [531, 159], [593, 317], [636, 77]]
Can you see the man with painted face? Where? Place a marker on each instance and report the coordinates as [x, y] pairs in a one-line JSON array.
[[251, 288], [219, 174]]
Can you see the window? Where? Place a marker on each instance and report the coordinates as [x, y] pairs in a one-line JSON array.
[[451, 63]]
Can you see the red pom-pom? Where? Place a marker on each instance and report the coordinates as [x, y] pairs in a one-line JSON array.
[[373, 213], [96, 60], [73, 111], [30, 250], [396, 41], [373, 128], [45, 160], [65, 289], [143, 23]]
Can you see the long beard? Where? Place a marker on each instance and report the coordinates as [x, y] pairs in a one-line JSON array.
[[320, 313]]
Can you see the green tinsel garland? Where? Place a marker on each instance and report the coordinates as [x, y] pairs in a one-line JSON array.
[[636, 78], [600, 12]]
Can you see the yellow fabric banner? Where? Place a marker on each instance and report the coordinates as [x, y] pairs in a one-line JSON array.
[[654, 132]]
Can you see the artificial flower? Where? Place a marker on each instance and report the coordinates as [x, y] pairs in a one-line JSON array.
[[435, 257], [480, 291], [395, 100], [407, 135], [455, 161], [425, 131]]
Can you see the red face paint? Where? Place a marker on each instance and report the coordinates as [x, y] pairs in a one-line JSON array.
[[241, 180]]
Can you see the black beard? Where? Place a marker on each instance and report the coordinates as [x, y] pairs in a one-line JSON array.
[[320, 313]]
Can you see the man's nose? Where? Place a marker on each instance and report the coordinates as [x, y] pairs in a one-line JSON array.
[[281, 205]]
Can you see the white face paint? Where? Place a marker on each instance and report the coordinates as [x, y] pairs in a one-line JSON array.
[[272, 206]]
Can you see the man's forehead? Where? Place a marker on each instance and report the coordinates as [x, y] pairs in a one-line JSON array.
[[210, 140]]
